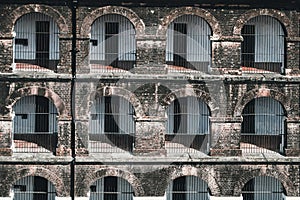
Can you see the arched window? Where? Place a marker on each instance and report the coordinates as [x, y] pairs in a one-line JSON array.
[[111, 188], [34, 188], [263, 126], [263, 188], [188, 43], [188, 188], [36, 44], [112, 43], [263, 48], [35, 125], [112, 121], [188, 123]]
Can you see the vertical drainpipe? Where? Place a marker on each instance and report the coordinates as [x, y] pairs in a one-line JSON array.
[[73, 89]]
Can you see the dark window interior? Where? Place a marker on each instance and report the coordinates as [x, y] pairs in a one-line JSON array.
[[111, 43], [180, 44]]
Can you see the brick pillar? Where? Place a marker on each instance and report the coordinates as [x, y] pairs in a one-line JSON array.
[[64, 134], [65, 58], [225, 133], [83, 56], [150, 54], [226, 55], [5, 136], [6, 53], [292, 65], [82, 133], [150, 138], [293, 138]]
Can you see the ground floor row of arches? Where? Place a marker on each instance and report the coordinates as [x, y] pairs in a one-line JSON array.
[[160, 182], [115, 188]]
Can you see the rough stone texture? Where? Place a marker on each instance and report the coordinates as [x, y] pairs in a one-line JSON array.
[[226, 136], [150, 55], [223, 180], [6, 55], [64, 138], [61, 16], [57, 174], [225, 57], [151, 88], [149, 137]]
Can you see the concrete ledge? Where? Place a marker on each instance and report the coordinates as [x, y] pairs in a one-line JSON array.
[[76, 198], [6, 198], [5, 152], [292, 152], [150, 152], [292, 198], [226, 198], [225, 152], [150, 198]]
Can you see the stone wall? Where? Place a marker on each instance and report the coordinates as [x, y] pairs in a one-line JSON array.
[[151, 88]]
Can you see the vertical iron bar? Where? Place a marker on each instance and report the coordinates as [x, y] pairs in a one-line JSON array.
[[73, 65]]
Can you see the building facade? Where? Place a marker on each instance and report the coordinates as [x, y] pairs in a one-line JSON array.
[[149, 100]]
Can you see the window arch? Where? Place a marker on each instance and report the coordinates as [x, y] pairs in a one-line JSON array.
[[263, 126], [35, 125], [263, 188], [188, 123], [112, 121], [263, 48], [112, 43], [188, 188], [34, 188], [111, 188], [188, 43], [36, 43]]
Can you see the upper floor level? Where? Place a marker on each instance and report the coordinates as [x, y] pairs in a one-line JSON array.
[[141, 39]]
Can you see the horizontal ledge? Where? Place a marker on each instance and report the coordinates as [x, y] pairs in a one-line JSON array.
[[226, 119]]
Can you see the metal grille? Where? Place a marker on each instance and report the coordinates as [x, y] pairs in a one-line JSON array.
[[112, 46], [263, 188], [34, 188], [188, 188], [263, 48], [36, 44], [263, 126], [35, 125], [188, 44], [188, 125], [111, 188], [112, 125]]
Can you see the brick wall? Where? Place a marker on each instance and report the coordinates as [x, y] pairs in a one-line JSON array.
[[151, 88]]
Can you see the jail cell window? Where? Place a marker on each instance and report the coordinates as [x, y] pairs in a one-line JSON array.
[[188, 126], [34, 125], [263, 126], [112, 125], [188, 44], [263, 48], [33, 188], [111, 188], [188, 188], [263, 188], [112, 44], [36, 43]]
